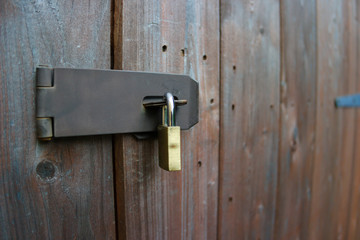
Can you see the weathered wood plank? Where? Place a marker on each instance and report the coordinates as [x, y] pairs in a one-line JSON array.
[[61, 189], [354, 209], [250, 96], [175, 37], [298, 113], [353, 227], [336, 61]]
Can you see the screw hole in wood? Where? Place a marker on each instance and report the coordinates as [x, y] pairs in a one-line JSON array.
[[183, 52]]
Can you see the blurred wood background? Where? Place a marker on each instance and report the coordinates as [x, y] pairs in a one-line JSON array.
[[271, 157]]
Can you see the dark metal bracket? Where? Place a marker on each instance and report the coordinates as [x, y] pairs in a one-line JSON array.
[[348, 101], [78, 102]]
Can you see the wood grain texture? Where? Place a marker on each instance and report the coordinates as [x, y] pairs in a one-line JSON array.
[[250, 96], [174, 37], [353, 227], [61, 189], [332, 177], [298, 116], [354, 208]]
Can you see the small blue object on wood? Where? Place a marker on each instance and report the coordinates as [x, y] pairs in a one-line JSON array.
[[348, 101]]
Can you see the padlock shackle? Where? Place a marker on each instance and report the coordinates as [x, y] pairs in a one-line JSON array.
[[169, 111]]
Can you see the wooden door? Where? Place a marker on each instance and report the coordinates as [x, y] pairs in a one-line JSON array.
[[62, 189], [271, 157]]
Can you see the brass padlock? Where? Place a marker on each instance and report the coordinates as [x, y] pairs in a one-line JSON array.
[[169, 137]]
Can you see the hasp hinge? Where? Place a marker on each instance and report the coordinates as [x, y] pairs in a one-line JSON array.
[[78, 102]]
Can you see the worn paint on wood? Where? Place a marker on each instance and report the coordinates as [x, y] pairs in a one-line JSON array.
[[61, 189], [336, 76], [173, 37], [298, 112], [250, 73]]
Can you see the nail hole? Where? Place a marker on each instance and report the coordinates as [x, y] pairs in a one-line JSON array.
[[199, 163], [204, 57], [271, 106], [46, 170], [230, 199], [183, 52], [233, 106], [212, 101], [164, 48], [234, 67], [262, 30]]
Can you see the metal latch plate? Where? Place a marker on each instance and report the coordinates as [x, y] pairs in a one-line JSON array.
[[77, 102]]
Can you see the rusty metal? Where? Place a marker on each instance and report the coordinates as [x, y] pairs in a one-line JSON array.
[[90, 102]]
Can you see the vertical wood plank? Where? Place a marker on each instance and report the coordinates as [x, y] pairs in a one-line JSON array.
[[336, 51], [61, 189], [353, 227], [174, 37], [354, 209], [250, 96], [298, 116]]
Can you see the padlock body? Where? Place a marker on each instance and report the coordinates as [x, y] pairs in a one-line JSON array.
[[169, 148]]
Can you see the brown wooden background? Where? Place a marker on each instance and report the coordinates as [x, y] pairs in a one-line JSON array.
[[271, 157]]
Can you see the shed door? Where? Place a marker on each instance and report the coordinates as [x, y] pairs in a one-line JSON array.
[[271, 157]]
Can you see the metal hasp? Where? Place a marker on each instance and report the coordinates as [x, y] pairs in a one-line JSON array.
[[78, 102], [348, 101]]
